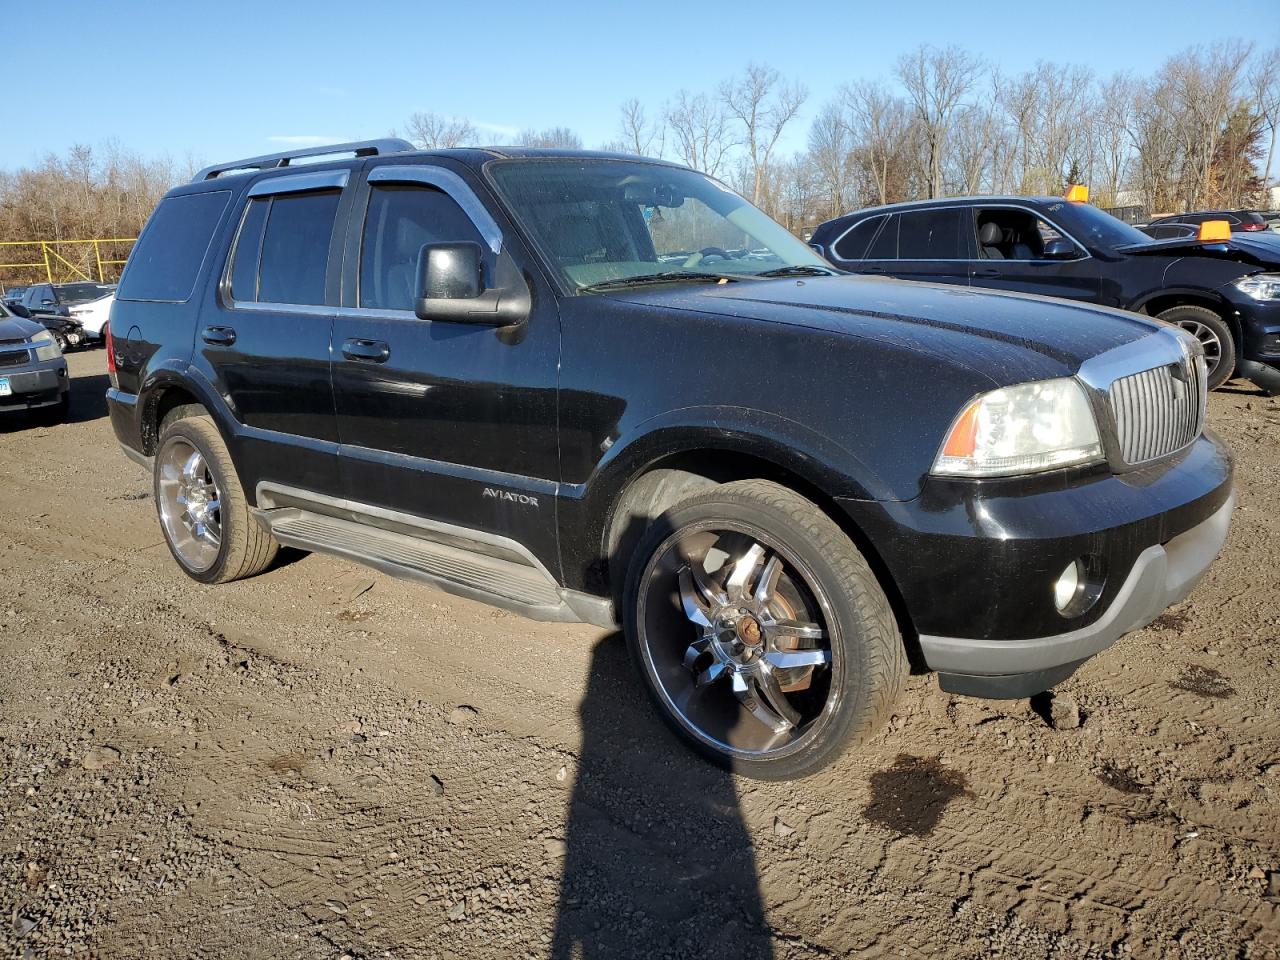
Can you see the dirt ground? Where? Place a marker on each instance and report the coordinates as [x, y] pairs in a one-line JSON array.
[[325, 762]]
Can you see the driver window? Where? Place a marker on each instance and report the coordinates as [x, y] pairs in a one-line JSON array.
[[1010, 234], [400, 220]]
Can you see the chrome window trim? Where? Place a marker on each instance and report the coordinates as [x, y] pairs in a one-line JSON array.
[[450, 183], [985, 206], [299, 182]]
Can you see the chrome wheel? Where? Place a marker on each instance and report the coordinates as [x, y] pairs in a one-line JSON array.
[[189, 504], [738, 637], [1208, 339]]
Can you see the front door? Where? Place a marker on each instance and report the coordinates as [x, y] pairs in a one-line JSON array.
[[1009, 244], [264, 342], [453, 422]]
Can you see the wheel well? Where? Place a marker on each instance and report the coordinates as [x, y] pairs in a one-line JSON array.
[[666, 482], [1158, 304], [159, 406]]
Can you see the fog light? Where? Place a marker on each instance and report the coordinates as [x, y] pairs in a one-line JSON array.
[[1067, 586], [1079, 586]]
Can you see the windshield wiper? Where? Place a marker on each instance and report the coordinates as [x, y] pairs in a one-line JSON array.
[[671, 276], [798, 271]]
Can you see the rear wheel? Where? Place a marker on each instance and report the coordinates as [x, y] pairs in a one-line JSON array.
[[1214, 335], [202, 507], [761, 632]]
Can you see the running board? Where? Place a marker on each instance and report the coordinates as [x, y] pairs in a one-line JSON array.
[[504, 583]]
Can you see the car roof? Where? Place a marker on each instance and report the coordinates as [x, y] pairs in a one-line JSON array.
[[474, 157], [950, 202]]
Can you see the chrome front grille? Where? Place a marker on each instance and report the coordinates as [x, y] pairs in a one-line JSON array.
[[1159, 411], [14, 358]]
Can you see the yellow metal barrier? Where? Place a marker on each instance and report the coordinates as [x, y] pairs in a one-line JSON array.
[[59, 261]]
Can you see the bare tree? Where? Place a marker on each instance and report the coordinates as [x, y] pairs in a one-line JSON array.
[[1113, 119], [937, 81], [1264, 89], [701, 131], [430, 131], [640, 135], [1204, 83], [829, 156], [559, 137], [763, 104], [880, 127]]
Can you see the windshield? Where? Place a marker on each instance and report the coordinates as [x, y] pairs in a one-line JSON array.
[[1095, 227], [598, 221]]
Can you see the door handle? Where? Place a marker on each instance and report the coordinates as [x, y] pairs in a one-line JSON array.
[[370, 351], [989, 272], [219, 336]]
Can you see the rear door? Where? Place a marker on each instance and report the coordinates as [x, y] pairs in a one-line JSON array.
[[452, 422], [923, 244], [264, 341]]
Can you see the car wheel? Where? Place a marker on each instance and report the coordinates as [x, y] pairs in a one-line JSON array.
[[760, 630], [202, 507], [1214, 335]]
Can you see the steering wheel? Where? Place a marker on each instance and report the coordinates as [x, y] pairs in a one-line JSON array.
[[697, 258]]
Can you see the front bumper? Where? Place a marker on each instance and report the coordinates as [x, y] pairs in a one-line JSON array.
[[974, 562], [1161, 576], [1259, 359], [34, 385]]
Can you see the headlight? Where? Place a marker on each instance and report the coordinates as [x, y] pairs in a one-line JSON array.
[[1021, 429], [1260, 286], [47, 348]]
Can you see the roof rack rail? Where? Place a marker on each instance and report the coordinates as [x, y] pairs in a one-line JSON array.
[[361, 148]]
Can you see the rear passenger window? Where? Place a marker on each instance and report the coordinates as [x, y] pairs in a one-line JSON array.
[[885, 246], [167, 259], [248, 251], [295, 247], [854, 244], [929, 235], [400, 220]]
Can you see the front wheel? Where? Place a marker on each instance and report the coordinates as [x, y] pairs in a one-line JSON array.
[[1214, 335], [761, 632]]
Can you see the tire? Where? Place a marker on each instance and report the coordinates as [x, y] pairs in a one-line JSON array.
[[1213, 333], [821, 583], [243, 546]]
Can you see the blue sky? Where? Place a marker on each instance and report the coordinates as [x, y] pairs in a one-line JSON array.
[[229, 79]]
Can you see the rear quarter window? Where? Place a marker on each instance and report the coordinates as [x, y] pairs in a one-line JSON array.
[[854, 243], [173, 246]]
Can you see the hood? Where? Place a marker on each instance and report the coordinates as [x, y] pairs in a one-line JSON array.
[[16, 328], [1009, 337], [1254, 249]]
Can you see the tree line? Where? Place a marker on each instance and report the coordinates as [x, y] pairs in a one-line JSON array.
[[1199, 132]]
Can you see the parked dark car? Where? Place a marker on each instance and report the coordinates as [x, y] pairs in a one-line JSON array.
[[1241, 221], [485, 369], [67, 331], [33, 372], [1227, 295], [13, 295]]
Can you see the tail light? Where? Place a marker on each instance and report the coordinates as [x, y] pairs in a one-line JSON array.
[[1252, 226], [111, 353]]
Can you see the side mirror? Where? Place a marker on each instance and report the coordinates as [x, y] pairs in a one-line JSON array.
[[451, 287], [1060, 248], [18, 310]]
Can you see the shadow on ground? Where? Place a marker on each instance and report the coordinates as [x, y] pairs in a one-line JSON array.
[[658, 861]]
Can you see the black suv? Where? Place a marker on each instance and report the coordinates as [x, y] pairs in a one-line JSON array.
[[592, 387], [1226, 294]]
